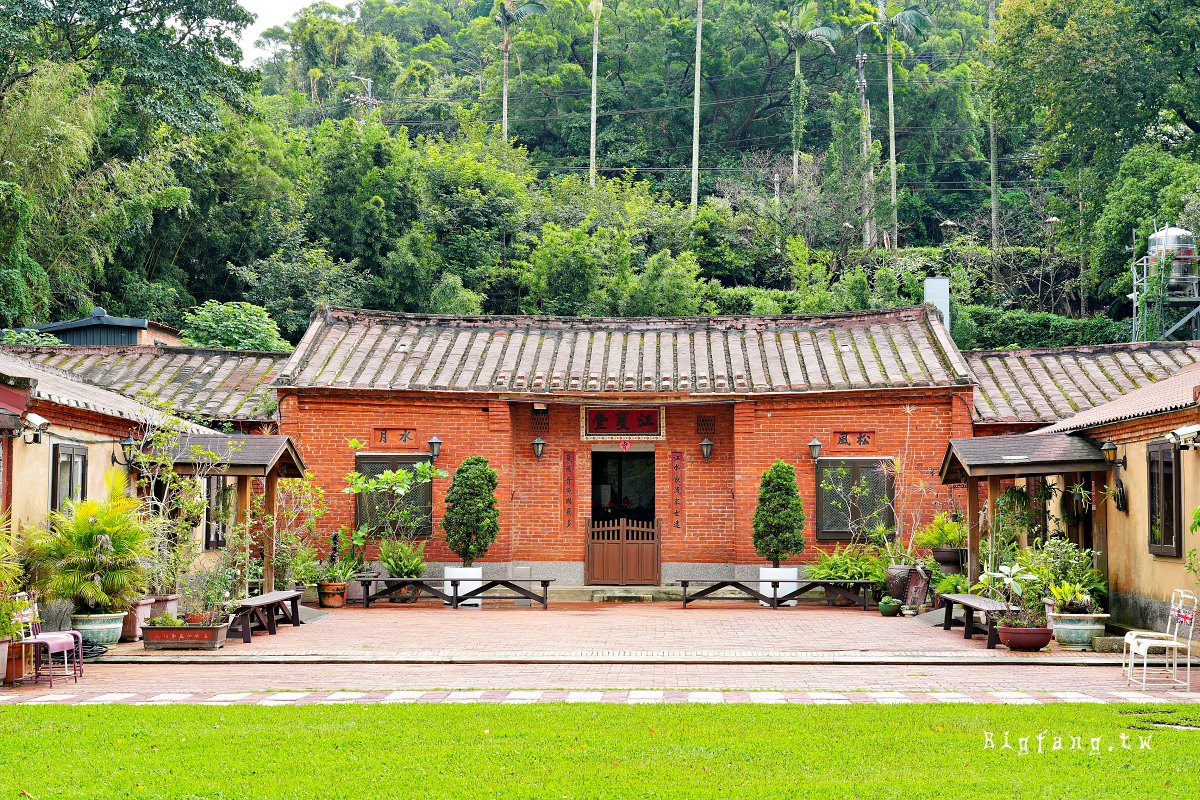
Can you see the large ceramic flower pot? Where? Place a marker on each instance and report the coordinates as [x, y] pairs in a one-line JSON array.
[[950, 559], [4, 650], [469, 579], [787, 576], [186, 637], [131, 628], [102, 629], [1077, 631], [889, 609], [331, 595], [1024, 638]]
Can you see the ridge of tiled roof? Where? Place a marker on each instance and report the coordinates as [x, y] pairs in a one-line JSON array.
[[897, 348], [64, 389], [1168, 394], [1045, 385], [204, 383]]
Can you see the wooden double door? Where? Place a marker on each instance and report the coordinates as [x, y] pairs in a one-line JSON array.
[[623, 534], [623, 552]]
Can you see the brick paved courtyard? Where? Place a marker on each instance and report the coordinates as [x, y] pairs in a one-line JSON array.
[[724, 652], [595, 631]]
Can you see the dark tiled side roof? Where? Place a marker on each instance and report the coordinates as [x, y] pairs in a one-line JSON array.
[[219, 385], [688, 355], [1047, 385]]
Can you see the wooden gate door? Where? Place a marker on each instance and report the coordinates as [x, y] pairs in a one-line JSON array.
[[622, 552]]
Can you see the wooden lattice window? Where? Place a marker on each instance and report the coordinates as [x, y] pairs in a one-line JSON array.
[[541, 420], [854, 496], [369, 511], [1165, 508], [706, 425]]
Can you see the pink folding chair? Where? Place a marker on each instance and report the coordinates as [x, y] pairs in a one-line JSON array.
[[68, 644]]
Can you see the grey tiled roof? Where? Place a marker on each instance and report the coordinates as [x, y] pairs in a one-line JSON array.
[[1021, 454], [688, 355], [217, 385], [1047, 385], [54, 386], [237, 450]]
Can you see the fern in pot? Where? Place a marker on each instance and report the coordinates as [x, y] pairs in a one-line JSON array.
[[403, 559], [93, 553]]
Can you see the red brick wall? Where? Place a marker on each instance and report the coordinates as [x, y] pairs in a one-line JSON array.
[[719, 496]]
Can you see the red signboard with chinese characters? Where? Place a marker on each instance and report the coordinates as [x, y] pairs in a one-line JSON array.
[[568, 490], [678, 501], [623, 422]]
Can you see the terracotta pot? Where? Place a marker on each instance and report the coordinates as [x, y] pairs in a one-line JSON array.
[[139, 612], [164, 604], [331, 595], [1029, 639]]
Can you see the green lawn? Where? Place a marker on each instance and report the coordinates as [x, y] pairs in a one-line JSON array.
[[592, 751]]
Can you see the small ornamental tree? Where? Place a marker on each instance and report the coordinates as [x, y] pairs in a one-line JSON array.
[[779, 516], [472, 519]]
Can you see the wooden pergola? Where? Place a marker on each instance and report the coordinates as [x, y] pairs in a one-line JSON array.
[[996, 458], [246, 458]]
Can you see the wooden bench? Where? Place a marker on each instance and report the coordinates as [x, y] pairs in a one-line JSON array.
[[970, 604], [434, 588], [858, 592], [264, 612]]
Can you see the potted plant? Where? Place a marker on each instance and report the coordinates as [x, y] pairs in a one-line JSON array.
[[946, 539], [331, 582], [1077, 618], [778, 525], [851, 562], [1023, 628], [403, 559], [471, 522], [10, 627], [169, 632], [889, 606], [954, 583], [910, 611], [92, 553]]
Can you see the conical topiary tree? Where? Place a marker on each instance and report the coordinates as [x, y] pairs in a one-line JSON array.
[[779, 516], [472, 519]]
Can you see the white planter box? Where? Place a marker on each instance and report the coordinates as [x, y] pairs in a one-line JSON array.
[[787, 576], [470, 579]]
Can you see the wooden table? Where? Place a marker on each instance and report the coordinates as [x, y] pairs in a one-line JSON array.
[[971, 603], [858, 592], [265, 612], [434, 588]]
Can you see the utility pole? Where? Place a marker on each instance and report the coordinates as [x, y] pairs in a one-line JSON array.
[[993, 165], [778, 218], [1083, 292], [596, 7], [696, 112], [868, 209], [895, 243]]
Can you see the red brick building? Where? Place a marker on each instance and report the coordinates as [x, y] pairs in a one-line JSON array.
[[656, 431]]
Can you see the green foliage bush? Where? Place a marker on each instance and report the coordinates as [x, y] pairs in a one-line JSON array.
[[472, 520], [28, 336], [851, 562], [988, 328], [233, 326], [779, 516]]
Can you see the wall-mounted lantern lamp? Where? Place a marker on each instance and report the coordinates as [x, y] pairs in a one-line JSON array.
[[435, 448], [1110, 454], [539, 447], [814, 447], [706, 447], [126, 451]]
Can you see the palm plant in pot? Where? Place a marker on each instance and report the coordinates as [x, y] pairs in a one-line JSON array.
[[1077, 618], [1023, 627], [778, 526], [471, 523], [10, 607], [93, 553]]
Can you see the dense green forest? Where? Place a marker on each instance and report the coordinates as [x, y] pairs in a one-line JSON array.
[[362, 160]]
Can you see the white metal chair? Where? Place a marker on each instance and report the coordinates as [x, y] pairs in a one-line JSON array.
[[1181, 621]]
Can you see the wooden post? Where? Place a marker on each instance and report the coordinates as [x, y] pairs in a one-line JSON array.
[[1100, 521], [243, 506], [268, 535], [973, 529]]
